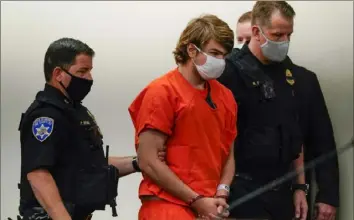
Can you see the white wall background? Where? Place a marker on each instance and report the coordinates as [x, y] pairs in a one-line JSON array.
[[134, 43]]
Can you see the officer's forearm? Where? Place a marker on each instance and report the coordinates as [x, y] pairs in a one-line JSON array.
[[47, 194], [228, 171], [123, 164], [299, 166]]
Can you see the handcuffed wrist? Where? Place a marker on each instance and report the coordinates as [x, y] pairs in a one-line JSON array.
[[221, 196], [194, 199], [223, 187]]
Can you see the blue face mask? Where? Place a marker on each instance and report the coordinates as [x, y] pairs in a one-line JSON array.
[[274, 50]]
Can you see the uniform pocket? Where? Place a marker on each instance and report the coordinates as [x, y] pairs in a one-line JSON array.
[[92, 187]]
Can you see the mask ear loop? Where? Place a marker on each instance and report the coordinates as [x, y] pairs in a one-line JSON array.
[[267, 40], [62, 85], [199, 50]]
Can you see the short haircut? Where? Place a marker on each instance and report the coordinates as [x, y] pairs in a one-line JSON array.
[[62, 53], [245, 17], [263, 10], [200, 31]]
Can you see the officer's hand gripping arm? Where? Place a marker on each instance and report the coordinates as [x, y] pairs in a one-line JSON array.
[[123, 164]]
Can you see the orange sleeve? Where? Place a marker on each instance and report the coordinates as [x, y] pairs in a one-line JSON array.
[[153, 109], [231, 119]]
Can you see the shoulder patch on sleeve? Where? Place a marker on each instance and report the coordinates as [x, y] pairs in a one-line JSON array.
[[42, 128]]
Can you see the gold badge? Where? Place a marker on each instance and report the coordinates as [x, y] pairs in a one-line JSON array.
[[291, 81], [288, 73], [289, 77]]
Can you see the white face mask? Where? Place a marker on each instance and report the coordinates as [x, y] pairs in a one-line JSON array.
[[239, 46], [273, 50], [212, 68]]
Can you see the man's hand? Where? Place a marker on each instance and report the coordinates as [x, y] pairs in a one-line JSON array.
[[300, 204], [207, 208], [324, 212], [222, 194]]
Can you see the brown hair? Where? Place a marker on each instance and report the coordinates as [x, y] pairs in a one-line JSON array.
[[263, 10], [245, 17], [200, 31]]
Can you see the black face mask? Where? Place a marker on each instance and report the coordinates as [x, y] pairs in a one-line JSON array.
[[78, 87]]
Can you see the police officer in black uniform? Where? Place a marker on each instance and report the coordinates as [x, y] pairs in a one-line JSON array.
[[270, 139], [64, 171]]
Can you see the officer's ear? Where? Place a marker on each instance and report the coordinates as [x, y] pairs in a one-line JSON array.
[[256, 33], [191, 50], [58, 74]]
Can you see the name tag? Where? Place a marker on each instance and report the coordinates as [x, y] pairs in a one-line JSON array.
[[85, 123]]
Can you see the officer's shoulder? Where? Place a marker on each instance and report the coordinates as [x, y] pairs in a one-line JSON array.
[[230, 67], [45, 114], [223, 90], [233, 52], [233, 55], [303, 72]]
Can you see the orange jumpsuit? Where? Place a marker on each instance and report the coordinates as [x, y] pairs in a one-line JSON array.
[[199, 138]]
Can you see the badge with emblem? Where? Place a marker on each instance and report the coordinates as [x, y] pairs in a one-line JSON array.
[[42, 128], [289, 77]]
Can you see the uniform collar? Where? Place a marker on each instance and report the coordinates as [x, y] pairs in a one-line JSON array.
[[247, 50], [55, 93]]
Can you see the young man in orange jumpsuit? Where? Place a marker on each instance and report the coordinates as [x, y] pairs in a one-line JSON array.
[[193, 117]]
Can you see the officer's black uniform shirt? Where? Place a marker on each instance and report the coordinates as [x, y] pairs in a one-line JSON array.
[[246, 102], [314, 120], [45, 142], [49, 140]]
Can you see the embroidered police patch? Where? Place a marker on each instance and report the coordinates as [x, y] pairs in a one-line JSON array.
[[42, 128]]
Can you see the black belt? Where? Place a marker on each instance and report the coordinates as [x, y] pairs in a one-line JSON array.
[[89, 217], [40, 214]]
